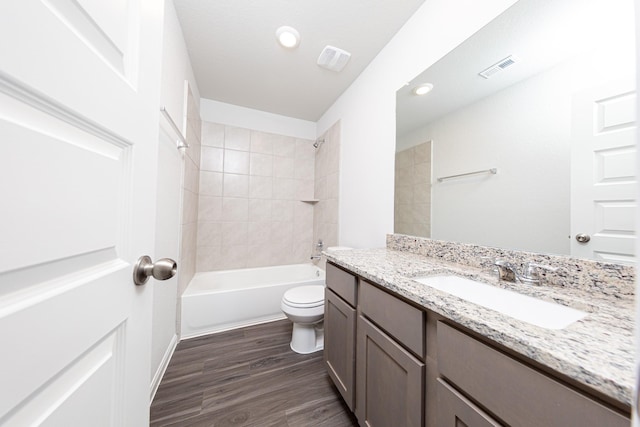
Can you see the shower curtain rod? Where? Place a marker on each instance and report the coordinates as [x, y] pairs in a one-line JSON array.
[[182, 142]]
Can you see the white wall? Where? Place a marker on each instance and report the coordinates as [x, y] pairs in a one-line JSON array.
[[367, 112], [248, 118], [176, 68]]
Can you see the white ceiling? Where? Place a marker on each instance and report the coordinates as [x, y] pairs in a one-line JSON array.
[[236, 58]]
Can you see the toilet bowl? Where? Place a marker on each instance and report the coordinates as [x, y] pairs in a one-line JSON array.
[[304, 306]]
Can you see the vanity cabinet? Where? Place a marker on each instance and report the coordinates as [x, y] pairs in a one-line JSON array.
[[340, 331], [513, 392], [398, 364], [389, 369], [455, 410]]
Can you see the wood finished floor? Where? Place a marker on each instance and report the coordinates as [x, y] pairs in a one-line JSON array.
[[247, 377]]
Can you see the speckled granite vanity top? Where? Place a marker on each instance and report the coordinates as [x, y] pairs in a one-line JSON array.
[[597, 351]]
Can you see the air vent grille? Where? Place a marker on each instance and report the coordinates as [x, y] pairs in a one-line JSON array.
[[498, 66], [333, 58]]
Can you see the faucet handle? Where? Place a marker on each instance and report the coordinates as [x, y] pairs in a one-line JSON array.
[[489, 264], [506, 270], [531, 272]]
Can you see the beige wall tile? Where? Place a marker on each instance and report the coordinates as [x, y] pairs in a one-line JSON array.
[[304, 189], [212, 134], [234, 234], [304, 149], [210, 183], [283, 167], [209, 208], [422, 153], [284, 188], [261, 142], [260, 164], [260, 187], [259, 233], [236, 185], [333, 187], [259, 220], [209, 233], [212, 159], [236, 162], [193, 140], [282, 210], [234, 257], [260, 210], [284, 146], [304, 168], [237, 138], [189, 206], [235, 209]]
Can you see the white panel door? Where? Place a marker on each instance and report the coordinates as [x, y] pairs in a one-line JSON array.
[[79, 83], [603, 173]]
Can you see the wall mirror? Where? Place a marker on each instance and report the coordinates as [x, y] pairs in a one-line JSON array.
[[526, 140]]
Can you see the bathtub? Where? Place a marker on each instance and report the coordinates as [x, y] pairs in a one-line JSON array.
[[217, 301]]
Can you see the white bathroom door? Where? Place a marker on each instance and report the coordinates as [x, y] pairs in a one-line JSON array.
[[79, 83], [603, 173]]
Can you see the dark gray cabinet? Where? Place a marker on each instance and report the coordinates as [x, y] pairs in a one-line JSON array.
[[389, 381], [339, 345], [455, 410], [397, 364], [340, 331], [516, 393]]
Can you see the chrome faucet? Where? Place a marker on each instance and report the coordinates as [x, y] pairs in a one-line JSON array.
[[506, 270], [530, 272], [318, 251]]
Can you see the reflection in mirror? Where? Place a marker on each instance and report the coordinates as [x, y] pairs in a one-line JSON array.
[[554, 114]]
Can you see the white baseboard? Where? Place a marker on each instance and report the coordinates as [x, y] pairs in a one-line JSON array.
[[157, 377]]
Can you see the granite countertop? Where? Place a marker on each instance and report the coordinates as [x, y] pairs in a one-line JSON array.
[[597, 351]]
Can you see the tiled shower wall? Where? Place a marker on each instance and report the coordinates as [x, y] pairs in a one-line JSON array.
[[251, 212], [327, 166], [412, 207], [190, 194]]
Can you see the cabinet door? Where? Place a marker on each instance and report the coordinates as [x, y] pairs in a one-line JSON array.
[[454, 410], [390, 381], [339, 344]]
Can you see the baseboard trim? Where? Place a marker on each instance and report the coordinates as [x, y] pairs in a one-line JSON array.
[[155, 383]]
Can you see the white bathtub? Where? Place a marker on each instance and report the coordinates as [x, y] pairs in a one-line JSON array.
[[217, 301]]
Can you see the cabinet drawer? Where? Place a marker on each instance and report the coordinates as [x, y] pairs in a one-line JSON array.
[[455, 410], [342, 283], [401, 320], [518, 394]]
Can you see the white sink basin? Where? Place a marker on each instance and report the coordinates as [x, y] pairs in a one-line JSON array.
[[522, 307]]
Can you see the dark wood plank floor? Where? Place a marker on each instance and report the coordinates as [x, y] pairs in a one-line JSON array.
[[247, 377]]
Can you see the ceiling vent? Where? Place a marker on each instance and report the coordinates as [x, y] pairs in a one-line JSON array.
[[499, 66], [333, 58]]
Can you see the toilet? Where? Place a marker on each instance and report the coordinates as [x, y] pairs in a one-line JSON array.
[[304, 306]]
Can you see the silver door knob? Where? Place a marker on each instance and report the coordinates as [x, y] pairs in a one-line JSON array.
[[162, 269], [583, 238]]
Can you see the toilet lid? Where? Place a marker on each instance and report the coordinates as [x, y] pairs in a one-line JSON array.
[[305, 296]]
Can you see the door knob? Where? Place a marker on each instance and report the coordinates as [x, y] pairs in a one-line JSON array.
[[583, 238], [162, 269]]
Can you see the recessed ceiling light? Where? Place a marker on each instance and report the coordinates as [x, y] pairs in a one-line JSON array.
[[288, 37], [423, 89]]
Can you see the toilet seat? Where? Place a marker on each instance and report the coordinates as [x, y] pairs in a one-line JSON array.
[[304, 296]]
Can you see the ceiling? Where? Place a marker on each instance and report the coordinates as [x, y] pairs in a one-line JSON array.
[[236, 59]]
